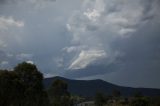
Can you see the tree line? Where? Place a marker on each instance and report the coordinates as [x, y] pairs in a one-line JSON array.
[[23, 86]]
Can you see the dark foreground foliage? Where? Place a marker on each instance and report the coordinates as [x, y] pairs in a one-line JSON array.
[[23, 86], [116, 100]]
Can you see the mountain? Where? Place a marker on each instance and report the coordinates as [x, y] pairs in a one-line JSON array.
[[90, 87]]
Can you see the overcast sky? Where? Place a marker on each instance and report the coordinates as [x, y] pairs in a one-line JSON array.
[[114, 40]]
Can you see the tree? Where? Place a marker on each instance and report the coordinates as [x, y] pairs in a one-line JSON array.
[[116, 93], [11, 89], [138, 94], [30, 75], [31, 78], [22, 87], [140, 101], [99, 99], [58, 93]]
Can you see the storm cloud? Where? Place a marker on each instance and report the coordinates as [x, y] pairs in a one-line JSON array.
[[115, 40]]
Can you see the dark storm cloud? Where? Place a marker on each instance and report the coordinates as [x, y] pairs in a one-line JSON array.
[[2, 55], [90, 71], [141, 59], [96, 24], [38, 35], [138, 66], [14, 1], [132, 31], [151, 8], [116, 40]]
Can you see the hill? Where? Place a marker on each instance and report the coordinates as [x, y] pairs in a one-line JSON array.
[[90, 87]]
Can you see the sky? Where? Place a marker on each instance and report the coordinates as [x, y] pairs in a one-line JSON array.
[[114, 40]]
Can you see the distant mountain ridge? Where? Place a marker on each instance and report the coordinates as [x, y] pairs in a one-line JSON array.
[[90, 87]]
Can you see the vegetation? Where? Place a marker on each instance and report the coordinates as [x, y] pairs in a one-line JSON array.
[[59, 96], [100, 99], [117, 100], [24, 87]]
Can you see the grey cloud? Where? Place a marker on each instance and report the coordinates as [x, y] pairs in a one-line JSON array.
[[9, 60], [10, 29], [125, 32], [118, 18], [65, 33], [24, 56], [43, 35], [2, 55], [6, 22], [91, 70], [31, 1], [140, 63], [137, 67], [86, 57]]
